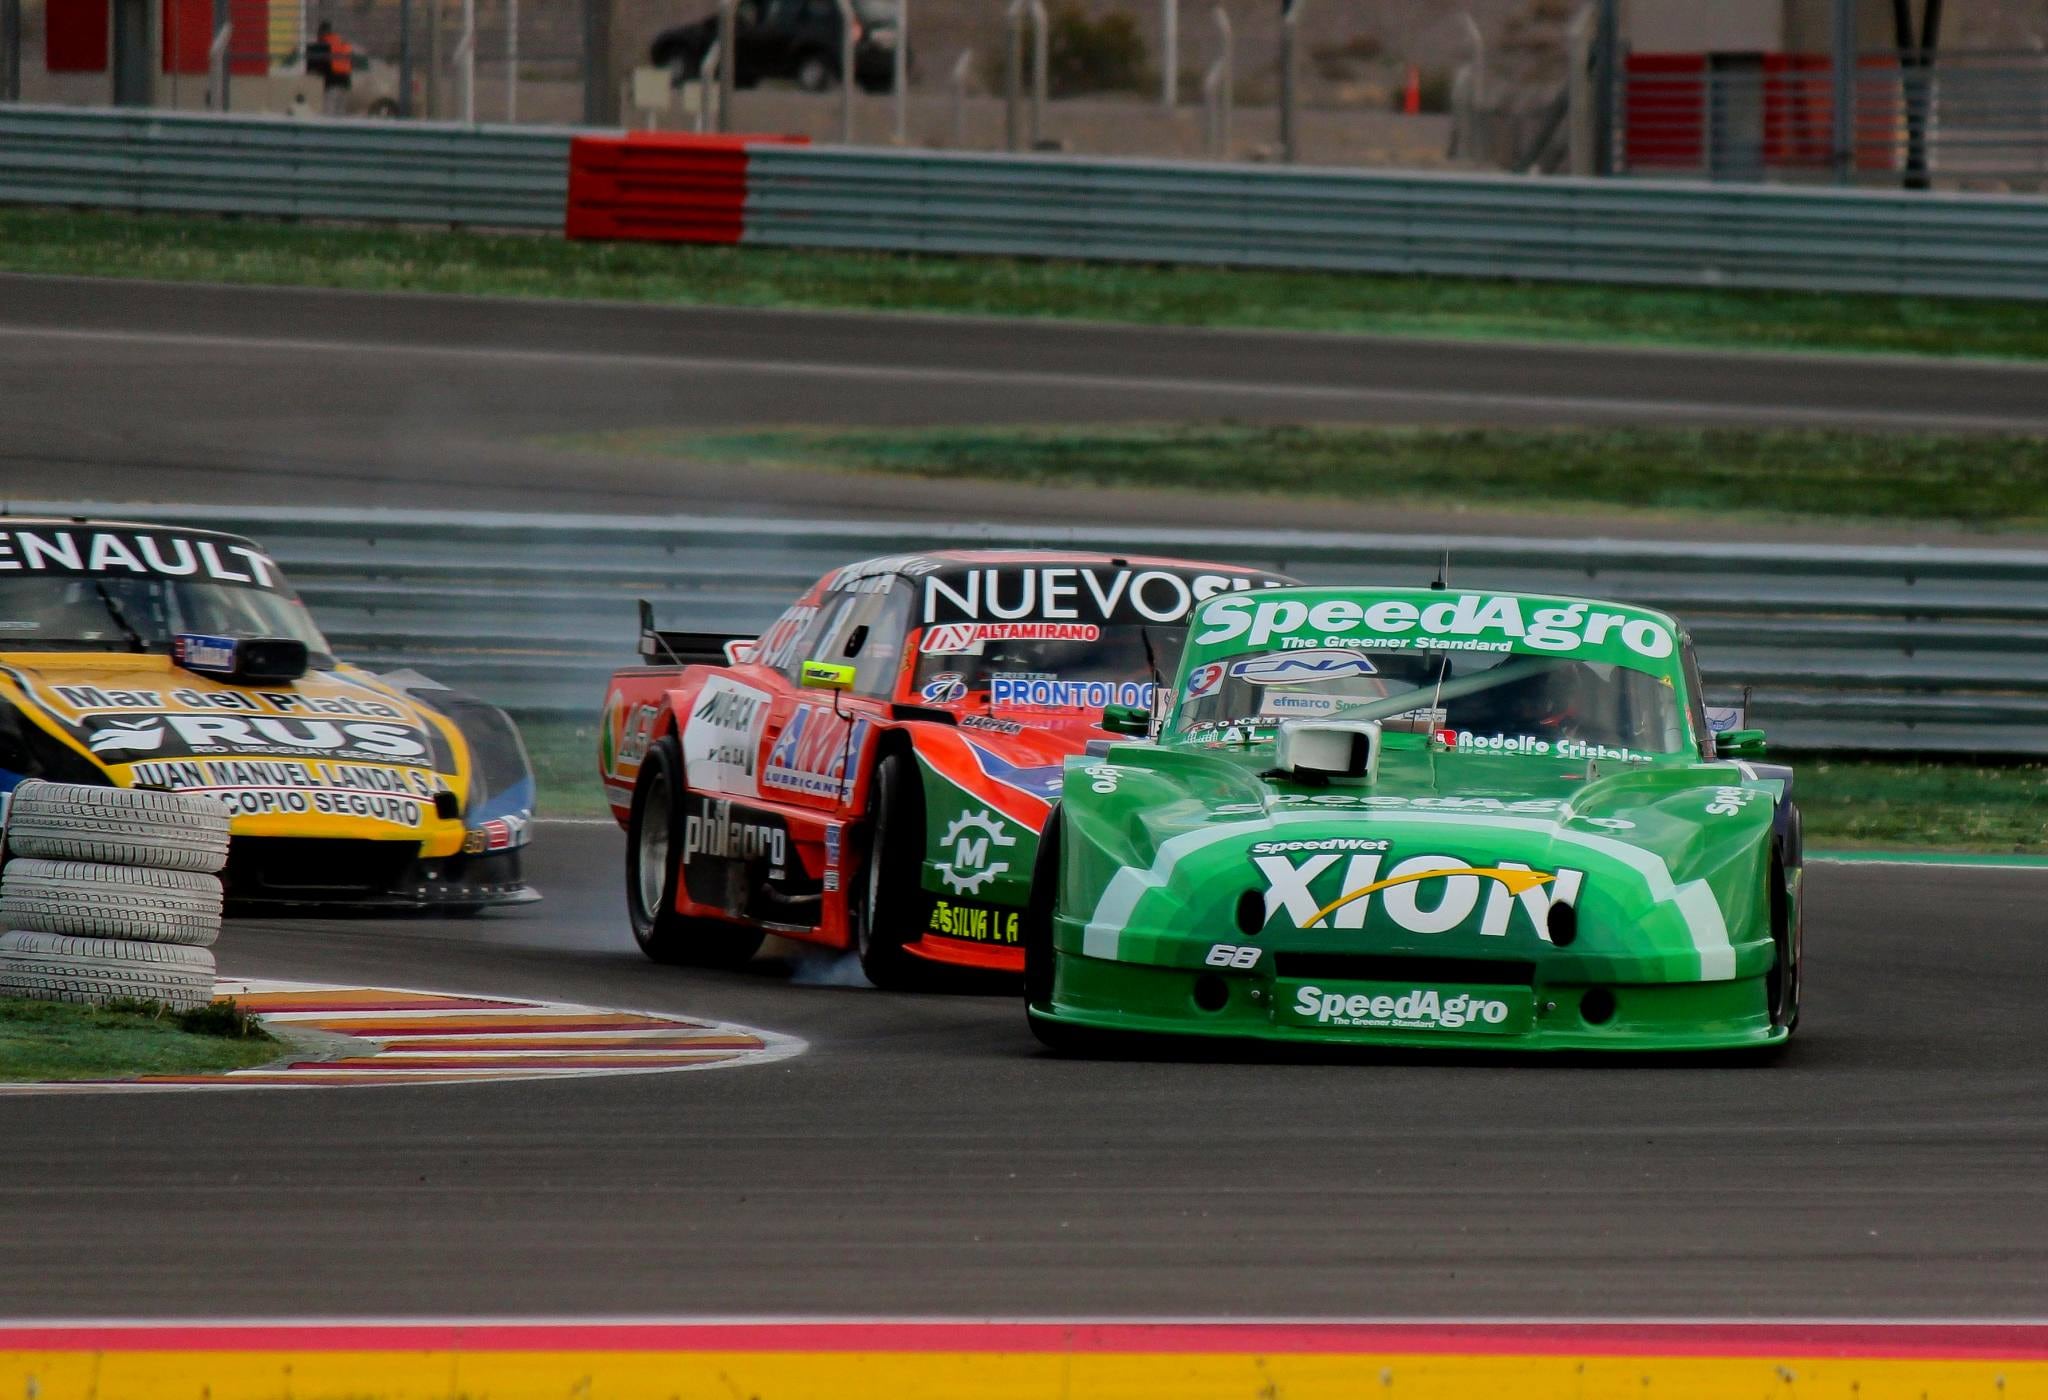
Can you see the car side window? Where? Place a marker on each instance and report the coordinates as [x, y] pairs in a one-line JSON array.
[[816, 643], [877, 622]]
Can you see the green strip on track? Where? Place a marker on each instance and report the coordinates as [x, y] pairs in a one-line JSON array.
[[1982, 862]]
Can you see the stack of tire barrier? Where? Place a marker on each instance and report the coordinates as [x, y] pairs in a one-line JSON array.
[[111, 894]]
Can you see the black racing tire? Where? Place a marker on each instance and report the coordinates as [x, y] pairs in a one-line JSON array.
[[117, 826], [892, 899], [654, 869], [95, 971], [128, 902], [817, 71], [1036, 933], [1040, 961], [1785, 983]]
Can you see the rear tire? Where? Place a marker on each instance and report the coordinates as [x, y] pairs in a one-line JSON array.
[[893, 883], [654, 872]]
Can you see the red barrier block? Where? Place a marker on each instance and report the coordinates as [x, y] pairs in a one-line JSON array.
[[661, 186]]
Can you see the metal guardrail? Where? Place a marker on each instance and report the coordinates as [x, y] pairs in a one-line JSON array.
[[1355, 221], [1873, 649], [1678, 233], [411, 172]]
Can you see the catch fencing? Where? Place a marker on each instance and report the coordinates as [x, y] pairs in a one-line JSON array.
[[1878, 649], [1586, 230], [1976, 118]]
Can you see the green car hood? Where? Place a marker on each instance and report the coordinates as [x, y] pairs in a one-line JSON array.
[[1662, 865]]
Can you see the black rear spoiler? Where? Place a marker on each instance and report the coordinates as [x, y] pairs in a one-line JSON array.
[[663, 648]]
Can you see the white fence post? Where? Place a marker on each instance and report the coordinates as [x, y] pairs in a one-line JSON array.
[[217, 65], [727, 44], [1290, 135], [1040, 46], [963, 68], [1013, 74], [901, 76], [511, 61], [849, 24], [465, 62], [711, 70], [1219, 87], [1169, 54]]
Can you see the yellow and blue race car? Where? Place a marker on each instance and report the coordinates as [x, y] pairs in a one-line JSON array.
[[157, 656]]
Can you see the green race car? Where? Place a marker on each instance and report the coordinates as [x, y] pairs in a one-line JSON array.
[[1425, 818]]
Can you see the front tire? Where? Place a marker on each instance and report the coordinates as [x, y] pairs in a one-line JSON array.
[[1037, 930], [892, 892], [1041, 963], [654, 870]]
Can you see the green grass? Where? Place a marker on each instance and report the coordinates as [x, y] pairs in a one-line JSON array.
[[1925, 805], [1899, 804], [563, 749], [54, 1040], [1987, 481], [285, 254]]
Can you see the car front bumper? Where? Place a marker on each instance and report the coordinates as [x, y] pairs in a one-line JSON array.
[[1101, 995], [328, 873]]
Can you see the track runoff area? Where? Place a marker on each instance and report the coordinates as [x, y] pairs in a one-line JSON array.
[[899, 1360]]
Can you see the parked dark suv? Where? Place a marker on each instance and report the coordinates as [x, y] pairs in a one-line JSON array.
[[797, 39]]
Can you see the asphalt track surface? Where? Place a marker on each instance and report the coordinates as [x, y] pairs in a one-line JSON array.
[[924, 1158], [135, 391]]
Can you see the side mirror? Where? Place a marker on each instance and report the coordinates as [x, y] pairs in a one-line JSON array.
[[1740, 743], [1134, 720], [827, 675]]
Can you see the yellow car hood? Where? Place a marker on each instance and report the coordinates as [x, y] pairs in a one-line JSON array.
[[335, 753]]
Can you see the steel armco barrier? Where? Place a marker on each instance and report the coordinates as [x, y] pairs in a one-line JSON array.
[[1875, 649], [1674, 233], [406, 172], [1356, 221]]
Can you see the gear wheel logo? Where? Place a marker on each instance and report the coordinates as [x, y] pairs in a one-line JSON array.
[[966, 845]]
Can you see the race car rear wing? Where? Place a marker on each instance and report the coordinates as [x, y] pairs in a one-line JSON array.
[[665, 648]]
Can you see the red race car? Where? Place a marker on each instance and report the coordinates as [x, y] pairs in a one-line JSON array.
[[874, 771]]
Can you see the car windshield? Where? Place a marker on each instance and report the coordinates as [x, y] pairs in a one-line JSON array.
[[113, 613], [1044, 666], [1499, 701]]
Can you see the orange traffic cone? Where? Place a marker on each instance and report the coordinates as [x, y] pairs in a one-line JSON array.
[[1411, 95]]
